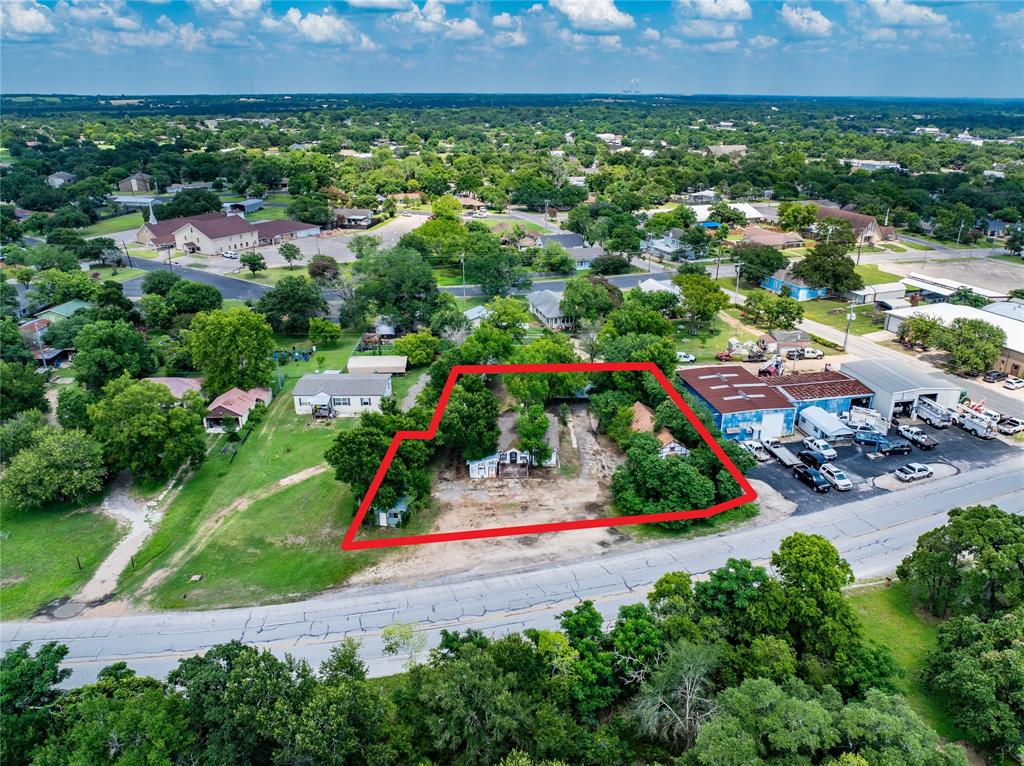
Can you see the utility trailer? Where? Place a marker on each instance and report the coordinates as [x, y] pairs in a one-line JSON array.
[[780, 453], [933, 413], [866, 416]]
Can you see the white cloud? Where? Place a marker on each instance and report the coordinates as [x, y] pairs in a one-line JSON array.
[[1011, 27], [587, 42], [880, 35], [165, 34], [315, 27], [505, 21], [652, 35], [722, 46], [899, 13], [236, 9], [763, 41], [806, 21], [382, 5], [704, 29], [26, 18], [721, 10], [515, 38], [463, 29], [593, 15], [113, 13]]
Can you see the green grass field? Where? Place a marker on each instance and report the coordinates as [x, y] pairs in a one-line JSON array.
[[1009, 258], [818, 311], [126, 222], [273, 275], [915, 245], [889, 618], [123, 274], [268, 214], [872, 275], [39, 548]]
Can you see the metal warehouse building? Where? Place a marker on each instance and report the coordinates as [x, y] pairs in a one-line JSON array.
[[744, 406], [898, 386], [831, 390]]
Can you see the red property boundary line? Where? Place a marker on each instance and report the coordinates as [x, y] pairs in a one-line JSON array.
[[349, 543]]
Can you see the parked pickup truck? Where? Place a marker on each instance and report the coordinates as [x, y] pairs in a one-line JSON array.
[[754, 448], [916, 436], [780, 453], [804, 353]]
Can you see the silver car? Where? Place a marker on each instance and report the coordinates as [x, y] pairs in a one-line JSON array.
[[834, 475], [913, 472]]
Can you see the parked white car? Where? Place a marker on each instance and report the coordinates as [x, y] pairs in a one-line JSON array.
[[822, 446], [913, 472], [406, 214], [1013, 383], [834, 475], [229, 254], [682, 356]]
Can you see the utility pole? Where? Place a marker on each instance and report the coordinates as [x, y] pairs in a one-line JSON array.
[[42, 353], [959, 232], [462, 260], [127, 255], [850, 316]]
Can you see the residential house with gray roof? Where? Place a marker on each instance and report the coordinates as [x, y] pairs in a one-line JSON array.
[[546, 306], [335, 395]]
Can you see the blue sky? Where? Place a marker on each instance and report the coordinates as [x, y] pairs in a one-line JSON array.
[[798, 47]]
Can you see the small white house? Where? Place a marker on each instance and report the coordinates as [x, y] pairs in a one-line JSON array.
[[511, 460], [546, 306], [340, 396], [476, 314]]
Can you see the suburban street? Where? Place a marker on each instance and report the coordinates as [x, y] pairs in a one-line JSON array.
[[229, 287], [873, 535]]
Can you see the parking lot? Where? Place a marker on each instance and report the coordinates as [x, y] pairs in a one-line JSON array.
[[958, 451]]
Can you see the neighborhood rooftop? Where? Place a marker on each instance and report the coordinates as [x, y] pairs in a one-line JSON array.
[[731, 388], [819, 385], [341, 385]]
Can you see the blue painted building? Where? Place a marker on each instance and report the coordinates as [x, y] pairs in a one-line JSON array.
[[798, 289], [743, 405], [832, 391]]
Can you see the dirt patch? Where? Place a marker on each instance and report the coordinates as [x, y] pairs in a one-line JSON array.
[[772, 505], [547, 495]]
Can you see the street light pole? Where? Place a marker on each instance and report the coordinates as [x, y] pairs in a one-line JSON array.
[[850, 316], [462, 259]]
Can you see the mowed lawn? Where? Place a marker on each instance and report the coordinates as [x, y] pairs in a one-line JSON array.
[[38, 549], [125, 222], [889, 618], [282, 445]]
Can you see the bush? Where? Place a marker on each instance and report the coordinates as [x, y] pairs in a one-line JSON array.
[[62, 465]]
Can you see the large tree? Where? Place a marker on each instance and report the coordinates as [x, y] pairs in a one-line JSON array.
[[400, 285], [187, 297], [830, 267], [587, 298], [759, 261], [701, 299], [23, 389], [107, 350], [291, 304], [143, 428], [469, 426], [973, 344], [61, 465], [232, 348]]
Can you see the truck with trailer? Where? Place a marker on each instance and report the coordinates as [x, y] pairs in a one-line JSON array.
[[933, 413], [980, 423], [865, 416], [781, 453]]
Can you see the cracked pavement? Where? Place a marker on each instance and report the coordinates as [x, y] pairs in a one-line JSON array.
[[873, 534]]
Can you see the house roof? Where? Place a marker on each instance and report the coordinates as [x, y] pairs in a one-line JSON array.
[[643, 418], [703, 212], [62, 174], [239, 402], [650, 285], [33, 326], [788, 336], [947, 312], [270, 229], [353, 212], [723, 150], [731, 388], [568, 240], [68, 308], [342, 385], [476, 312], [944, 286], [806, 386], [140, 175], [546, 302], [178, 386], [787, 276], [163, 231], [665, 437], [858, 221], [886, 375], [470, 202], [885, 287], [221, 226], [580, 254]]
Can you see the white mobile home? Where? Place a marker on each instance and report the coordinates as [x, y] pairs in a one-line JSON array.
[[340, 396]]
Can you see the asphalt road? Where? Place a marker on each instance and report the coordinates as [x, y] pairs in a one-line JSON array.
[[229, 287], [872, 534]]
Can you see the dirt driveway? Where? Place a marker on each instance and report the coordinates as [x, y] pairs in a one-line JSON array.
[[579, 491]]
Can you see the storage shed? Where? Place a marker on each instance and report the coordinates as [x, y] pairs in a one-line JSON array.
[[814, 421], [898, 386], [371, 365], [743, 405], [873, 293]]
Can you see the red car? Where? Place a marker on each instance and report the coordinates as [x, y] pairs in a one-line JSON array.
[[723, 356]]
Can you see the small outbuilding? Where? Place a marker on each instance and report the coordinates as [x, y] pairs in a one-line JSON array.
[[376, 365], [888, 291], [814, 421], [395, 516]]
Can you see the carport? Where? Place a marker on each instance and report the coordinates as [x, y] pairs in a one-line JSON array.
[[898, 386]]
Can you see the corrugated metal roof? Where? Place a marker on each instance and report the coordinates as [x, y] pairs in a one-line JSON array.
[[886, 375], [806, 386], [731, 388]]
